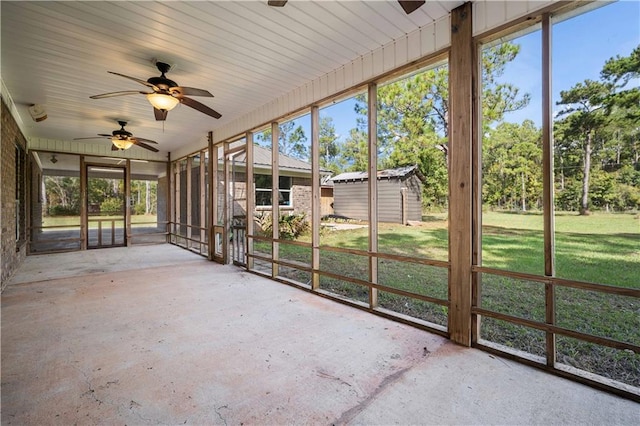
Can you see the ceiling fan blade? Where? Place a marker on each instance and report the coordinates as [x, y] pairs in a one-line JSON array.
[[200, 107], [410, 5], [277, 3], [160, 114], [190, 91], [114, 148], [138, 80], [144, 145], [105, 135], [144, 140], [112, 94], [94, 137]]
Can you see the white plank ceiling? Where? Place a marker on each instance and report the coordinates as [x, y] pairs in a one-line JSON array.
[[244, 52]]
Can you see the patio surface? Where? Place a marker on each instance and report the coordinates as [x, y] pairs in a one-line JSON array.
[[159, 335]]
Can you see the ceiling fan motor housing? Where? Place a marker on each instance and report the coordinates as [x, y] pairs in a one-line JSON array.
[[122, 133], [162, 82]]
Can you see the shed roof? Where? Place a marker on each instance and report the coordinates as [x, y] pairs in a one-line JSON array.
[[396, 173]]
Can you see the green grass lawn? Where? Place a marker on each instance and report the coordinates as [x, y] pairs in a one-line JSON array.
[[600, 248]]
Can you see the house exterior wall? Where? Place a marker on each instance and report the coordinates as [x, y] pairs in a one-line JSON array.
[[301, 196], [13, 252], [240, 199]]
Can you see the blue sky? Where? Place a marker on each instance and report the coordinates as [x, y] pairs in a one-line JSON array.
[[581, 45]]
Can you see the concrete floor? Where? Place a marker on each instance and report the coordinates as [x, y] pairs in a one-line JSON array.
[[158, 335]]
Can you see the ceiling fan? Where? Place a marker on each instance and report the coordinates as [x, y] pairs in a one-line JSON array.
[[408, 5], [166, 94], [122, 139]]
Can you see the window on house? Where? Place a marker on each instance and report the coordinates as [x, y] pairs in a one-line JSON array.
[[263, 190]]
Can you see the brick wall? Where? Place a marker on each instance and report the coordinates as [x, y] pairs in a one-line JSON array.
[[301, 193], [11, 254]]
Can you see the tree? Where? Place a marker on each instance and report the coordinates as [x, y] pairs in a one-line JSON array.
[[601, 117], [618, 72], [144, 195], [62, 194], [329, 146], [512, 165], [355, 151], [413, 116], [292, 141], [499, 98], [584, 117]]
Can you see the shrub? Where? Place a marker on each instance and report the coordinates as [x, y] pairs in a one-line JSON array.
[[111, 206], [293, 226], [139, 208], [59, 210], [290, 226], [264, 222]]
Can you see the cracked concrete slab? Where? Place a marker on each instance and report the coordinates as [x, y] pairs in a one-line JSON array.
[[162, 336]]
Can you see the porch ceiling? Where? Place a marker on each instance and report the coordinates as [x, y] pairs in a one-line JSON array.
[[244, 52]]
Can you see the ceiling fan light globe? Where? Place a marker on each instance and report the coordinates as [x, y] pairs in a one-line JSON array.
[[162, 101], [122, 143]]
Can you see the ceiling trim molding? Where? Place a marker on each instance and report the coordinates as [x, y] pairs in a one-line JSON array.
[[102, 149]]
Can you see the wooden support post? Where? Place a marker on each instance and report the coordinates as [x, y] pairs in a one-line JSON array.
[[213, 182], [176, 201], [315, 197], [84, 218], [169, 196], [188, 200], [372, 130], [128, 208], [203, 200], [227, 206], [28, 220], [547, 186], [476, 207], [275, 197], [251, 200], [460, 191], [216, 211]]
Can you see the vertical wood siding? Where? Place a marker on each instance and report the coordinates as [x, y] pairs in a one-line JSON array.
[[351, 198]]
